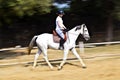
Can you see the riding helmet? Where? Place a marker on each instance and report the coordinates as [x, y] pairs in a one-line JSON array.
[[60, 12]]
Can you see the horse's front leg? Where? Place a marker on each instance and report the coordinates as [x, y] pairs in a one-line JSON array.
[[64, 59], [79, 58]]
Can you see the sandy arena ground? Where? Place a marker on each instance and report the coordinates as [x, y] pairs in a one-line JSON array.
[[17, 65]]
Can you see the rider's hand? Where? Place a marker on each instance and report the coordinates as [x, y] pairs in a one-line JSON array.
[[66, 30]]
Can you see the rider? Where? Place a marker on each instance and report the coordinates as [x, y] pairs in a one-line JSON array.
[[60, 28]]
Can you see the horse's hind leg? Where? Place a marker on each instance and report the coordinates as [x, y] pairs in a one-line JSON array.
[[36, 57], [46, 59]]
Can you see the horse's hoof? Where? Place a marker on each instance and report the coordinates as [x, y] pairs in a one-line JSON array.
[[84, 67], [51, 68], [59, 68]]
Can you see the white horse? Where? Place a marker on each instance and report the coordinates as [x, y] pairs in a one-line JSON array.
[[45, 40]]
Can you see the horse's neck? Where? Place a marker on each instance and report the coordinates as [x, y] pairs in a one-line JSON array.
[[72, 37]]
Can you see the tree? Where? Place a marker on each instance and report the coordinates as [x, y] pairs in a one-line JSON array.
[[13, 9], [98, 11]]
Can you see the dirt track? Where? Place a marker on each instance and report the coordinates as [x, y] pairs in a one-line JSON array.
[[99, 67]]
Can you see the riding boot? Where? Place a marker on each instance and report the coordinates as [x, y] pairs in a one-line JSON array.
[[61, 44]]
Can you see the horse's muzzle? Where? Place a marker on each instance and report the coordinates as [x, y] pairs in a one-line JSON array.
[[87, 38]]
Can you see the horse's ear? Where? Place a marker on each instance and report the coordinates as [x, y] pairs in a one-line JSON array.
[[84, 25], [78, 27]]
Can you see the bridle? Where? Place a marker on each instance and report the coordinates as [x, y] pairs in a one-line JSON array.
[[73, 33]]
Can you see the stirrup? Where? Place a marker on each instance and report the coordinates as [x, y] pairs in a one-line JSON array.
[[61, 48]]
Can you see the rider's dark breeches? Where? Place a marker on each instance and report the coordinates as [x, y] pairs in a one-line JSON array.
[[62, 42]]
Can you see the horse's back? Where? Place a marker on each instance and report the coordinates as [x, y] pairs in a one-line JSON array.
[[45, 37]]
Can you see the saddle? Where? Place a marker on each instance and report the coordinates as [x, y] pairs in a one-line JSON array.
[[56, 37]]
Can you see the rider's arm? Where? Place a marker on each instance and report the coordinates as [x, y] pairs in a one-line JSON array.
[[61, 25]]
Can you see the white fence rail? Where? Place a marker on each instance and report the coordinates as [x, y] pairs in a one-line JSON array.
[[85, 45], [100, 43]]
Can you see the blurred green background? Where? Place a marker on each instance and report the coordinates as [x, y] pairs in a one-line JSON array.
[[20, 20]]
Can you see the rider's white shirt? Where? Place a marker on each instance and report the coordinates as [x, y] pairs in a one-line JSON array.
[[60, 26]]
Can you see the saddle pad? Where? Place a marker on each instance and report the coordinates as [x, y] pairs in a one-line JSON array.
[[56, 39]]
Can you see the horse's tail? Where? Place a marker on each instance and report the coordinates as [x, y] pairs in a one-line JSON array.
[[31, 44]]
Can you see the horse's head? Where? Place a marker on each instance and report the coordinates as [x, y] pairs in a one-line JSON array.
[[80, 29], [85, 32]]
